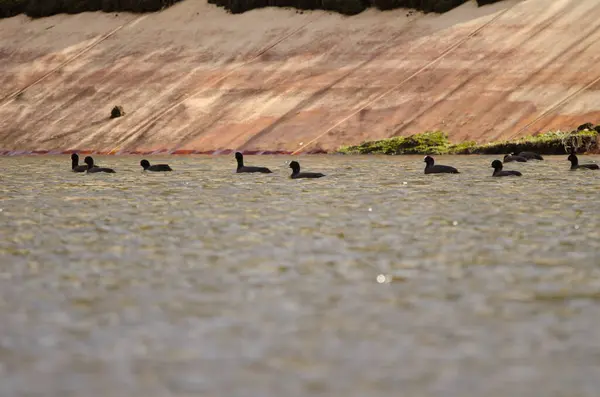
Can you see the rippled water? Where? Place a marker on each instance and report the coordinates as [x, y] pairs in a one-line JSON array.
[[205, 282]]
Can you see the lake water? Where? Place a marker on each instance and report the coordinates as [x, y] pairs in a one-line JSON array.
[[375, 281]]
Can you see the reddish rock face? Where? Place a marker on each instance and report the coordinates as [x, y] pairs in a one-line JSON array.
[[194, 79]]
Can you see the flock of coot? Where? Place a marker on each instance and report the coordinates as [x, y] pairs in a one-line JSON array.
[[430, 166], [497, 165], [241, 168]]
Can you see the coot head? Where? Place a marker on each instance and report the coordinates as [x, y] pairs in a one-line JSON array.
[[429, 160], [572, 158], [238, 156], [497, 164], [295, 166], [145, 164], [74, 157], [88, 160]]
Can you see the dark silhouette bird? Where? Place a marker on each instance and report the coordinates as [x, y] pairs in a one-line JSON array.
[[295, 166], [575, 164], [531, 155], [93, 169], [513, 157], [75, 167], [242, 168], [497, 166], [431, 168], [156, 167]]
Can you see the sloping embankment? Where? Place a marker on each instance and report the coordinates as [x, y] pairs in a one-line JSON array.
[[194, 78]]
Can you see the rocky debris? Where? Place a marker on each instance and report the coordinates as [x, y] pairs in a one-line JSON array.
[[117, 111]]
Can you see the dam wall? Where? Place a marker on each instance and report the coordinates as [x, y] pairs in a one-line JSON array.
[[193, 78]]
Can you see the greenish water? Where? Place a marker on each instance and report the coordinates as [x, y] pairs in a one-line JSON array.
[[203, 282]]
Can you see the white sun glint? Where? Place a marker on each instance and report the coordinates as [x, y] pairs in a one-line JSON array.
[[382, 278]]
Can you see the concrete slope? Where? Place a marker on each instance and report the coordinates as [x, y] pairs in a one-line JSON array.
[[194, 78]]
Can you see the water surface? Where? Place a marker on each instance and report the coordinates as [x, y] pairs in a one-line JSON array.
[[377, 280]]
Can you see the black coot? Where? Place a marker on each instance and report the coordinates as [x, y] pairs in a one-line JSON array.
[[93, 169], [512, 157], [75, 167], [295, 166], [241, 168], [431, 168], [156, 167], [497, 166], [576, 166], [531, 156]]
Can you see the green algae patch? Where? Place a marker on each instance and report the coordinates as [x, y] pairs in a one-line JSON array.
[[436, 142], [552, 142], [431, 142]]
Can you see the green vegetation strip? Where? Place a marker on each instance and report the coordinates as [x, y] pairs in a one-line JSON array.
[[436, 142]]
